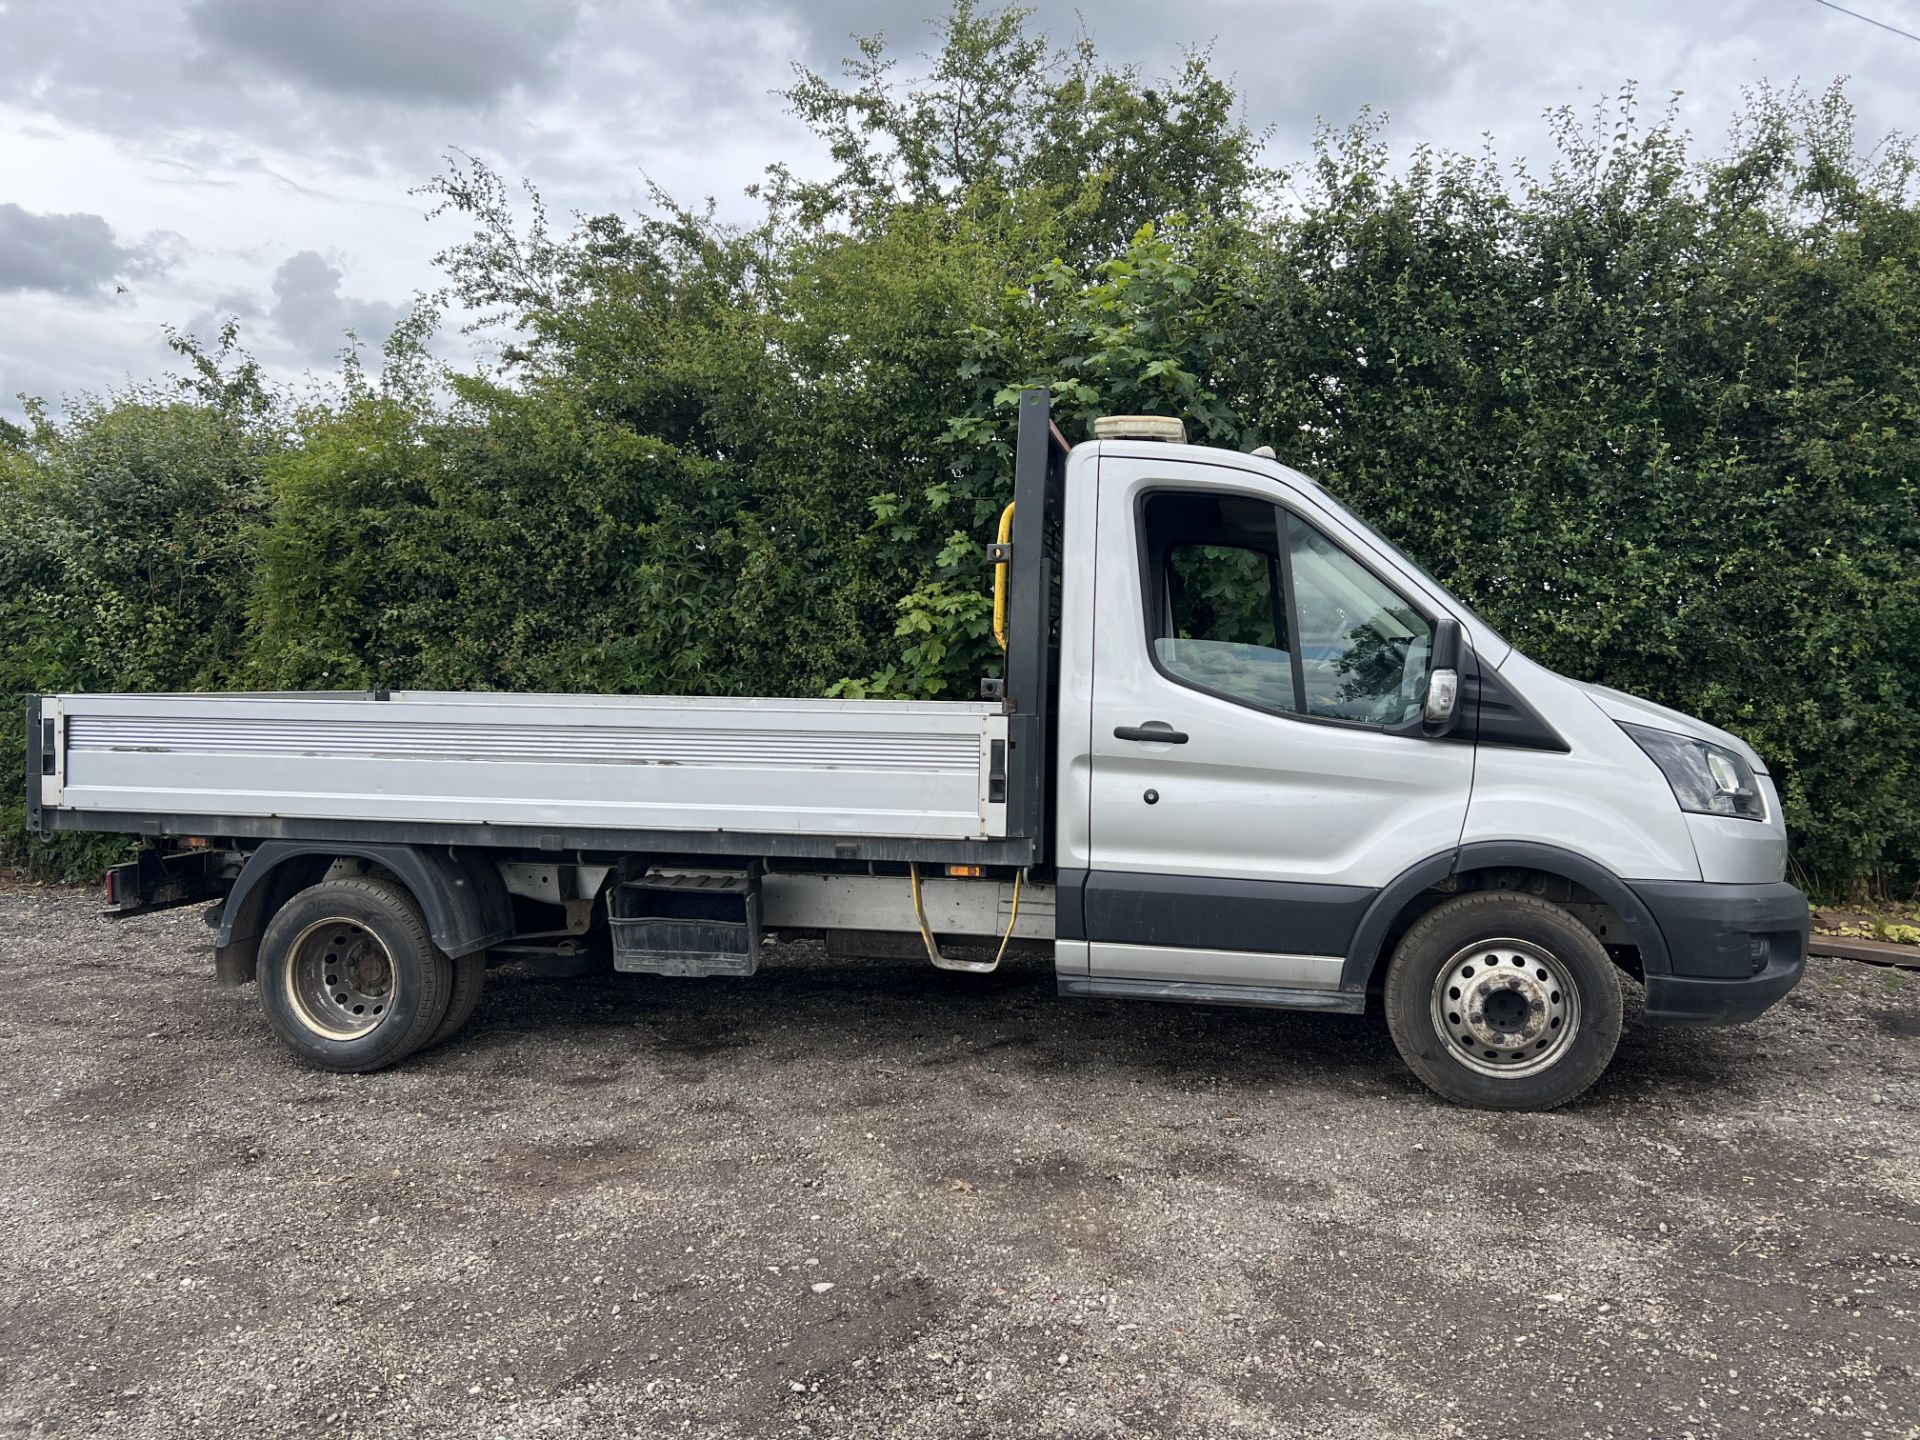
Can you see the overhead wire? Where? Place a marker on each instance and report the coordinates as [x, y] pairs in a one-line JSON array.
[[1893, 29]]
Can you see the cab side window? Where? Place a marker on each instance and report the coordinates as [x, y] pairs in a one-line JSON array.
[[1254, 604], [1215, 595]]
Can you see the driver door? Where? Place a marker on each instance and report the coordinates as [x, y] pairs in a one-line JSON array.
[[1258, 767]]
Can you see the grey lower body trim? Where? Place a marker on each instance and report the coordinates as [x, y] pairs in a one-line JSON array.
[[1070, 957], [1219, 913], [1273, 997], [1190, 964]]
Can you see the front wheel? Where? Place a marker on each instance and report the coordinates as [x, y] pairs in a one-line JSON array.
[[348, 976], [1503, 1001]]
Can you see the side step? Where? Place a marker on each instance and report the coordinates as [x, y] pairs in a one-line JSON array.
[[687, 922]]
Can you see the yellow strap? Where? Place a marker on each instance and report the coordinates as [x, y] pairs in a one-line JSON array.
[[926, 931], [920, 914], [1011, 919]]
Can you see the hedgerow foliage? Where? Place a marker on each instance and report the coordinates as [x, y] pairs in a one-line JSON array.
[[1656, 416]]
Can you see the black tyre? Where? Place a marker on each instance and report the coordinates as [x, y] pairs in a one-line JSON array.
[[348, 977], [469, 979], [1503, 1001]]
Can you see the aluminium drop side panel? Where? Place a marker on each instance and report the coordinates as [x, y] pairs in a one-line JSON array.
[[911, 770]]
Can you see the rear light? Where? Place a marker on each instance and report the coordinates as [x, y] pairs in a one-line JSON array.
[[122, 886]]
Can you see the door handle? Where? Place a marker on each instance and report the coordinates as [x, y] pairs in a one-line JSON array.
[[1155, 732]]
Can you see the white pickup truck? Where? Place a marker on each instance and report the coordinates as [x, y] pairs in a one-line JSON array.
[[1244, 753]]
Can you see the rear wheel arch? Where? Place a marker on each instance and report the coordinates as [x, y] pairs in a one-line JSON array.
[[1492, 864], [256, 897], [460, 895]]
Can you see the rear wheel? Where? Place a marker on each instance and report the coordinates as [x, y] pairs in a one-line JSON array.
[[348, 976], [469, 979], [1503, 1001]]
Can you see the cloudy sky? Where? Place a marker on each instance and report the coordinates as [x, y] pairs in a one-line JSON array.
[[166, 162]]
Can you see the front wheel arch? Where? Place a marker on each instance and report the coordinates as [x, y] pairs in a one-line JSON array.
[[1406, 898]]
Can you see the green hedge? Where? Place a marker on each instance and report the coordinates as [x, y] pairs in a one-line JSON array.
[[1657, 416]]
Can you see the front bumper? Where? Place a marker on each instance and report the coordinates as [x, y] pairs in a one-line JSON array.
[[1733, 950]]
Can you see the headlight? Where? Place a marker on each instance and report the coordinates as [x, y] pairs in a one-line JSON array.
[[1707, 779]]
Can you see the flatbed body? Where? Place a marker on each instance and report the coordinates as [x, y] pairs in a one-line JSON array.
[[545, 770]]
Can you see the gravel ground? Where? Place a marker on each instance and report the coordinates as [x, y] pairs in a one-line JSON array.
[[881, 1200]]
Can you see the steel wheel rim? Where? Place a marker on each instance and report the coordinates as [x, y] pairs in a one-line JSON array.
[[340, 978], [1506, 1008]]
